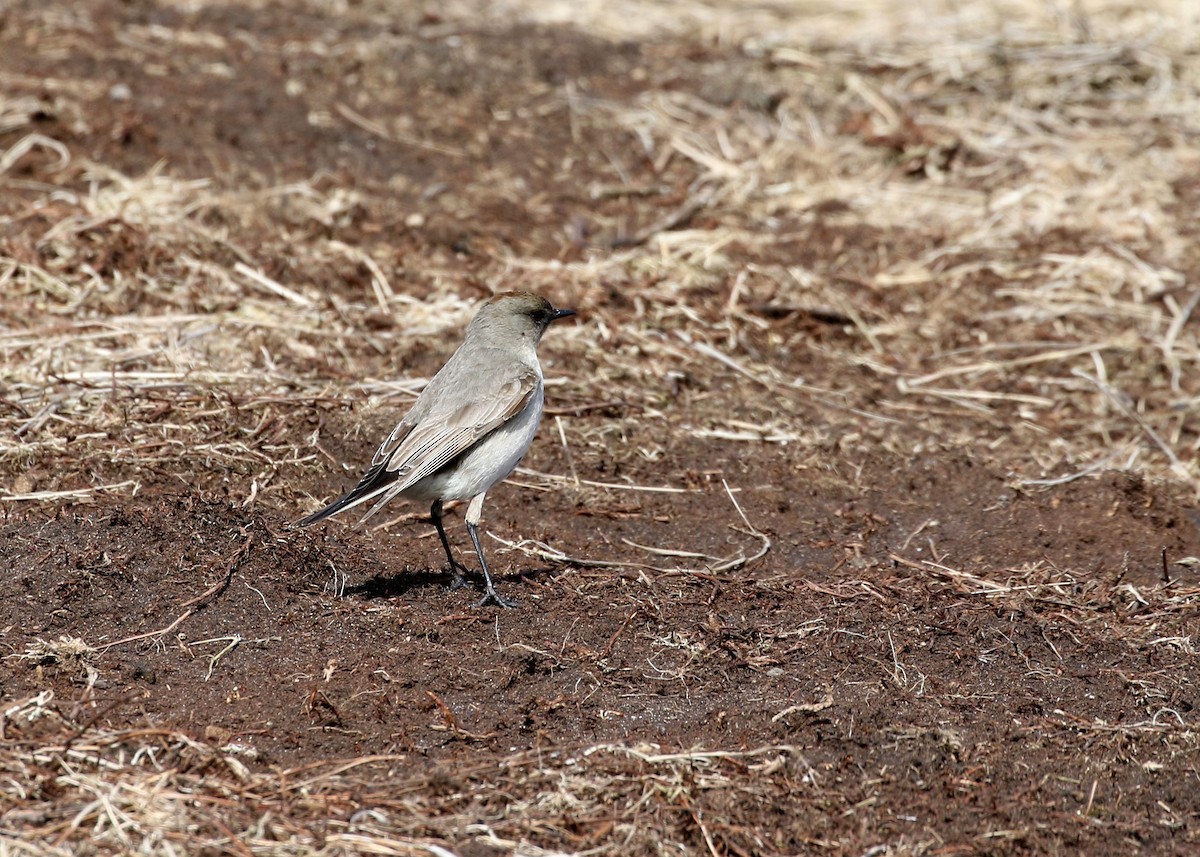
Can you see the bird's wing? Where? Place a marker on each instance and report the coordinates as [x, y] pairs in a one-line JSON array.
[[444, 434], [393, 440], [418, 447]]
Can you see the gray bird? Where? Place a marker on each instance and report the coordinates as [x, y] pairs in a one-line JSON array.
[[470, 426]]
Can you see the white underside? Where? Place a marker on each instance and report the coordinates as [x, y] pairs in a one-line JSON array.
[[488, 462]]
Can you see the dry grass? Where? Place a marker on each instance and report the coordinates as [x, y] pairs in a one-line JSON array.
[[1036, 164], [155, 792]]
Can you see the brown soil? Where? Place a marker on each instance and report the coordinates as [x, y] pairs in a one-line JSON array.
[[756, 617]]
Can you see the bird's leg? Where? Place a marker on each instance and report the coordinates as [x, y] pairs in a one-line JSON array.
[[456, 567], [474, 513]]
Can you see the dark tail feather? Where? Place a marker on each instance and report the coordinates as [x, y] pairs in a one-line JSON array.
[[374, 482]]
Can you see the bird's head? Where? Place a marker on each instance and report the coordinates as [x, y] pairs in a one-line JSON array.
[[516, 315]]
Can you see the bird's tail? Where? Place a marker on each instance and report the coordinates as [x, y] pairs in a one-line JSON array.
[[376, 481]]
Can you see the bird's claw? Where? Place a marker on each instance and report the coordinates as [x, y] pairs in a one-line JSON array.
[[494, 597], [491, 596], [460, 573]]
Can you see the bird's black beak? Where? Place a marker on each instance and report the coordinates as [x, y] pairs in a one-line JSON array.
[[562, 313]]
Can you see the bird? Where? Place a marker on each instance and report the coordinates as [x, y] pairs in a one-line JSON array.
[[469, 427]]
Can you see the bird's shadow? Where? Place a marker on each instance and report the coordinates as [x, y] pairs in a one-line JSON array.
[[399, 585], [396, 585]]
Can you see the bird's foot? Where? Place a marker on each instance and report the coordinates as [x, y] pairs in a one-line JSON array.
[[460, 573], [494, 597]]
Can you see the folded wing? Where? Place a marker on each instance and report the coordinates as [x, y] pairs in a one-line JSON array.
[[418, 449]]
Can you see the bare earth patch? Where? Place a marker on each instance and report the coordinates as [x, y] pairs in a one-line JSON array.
[[863, 520]]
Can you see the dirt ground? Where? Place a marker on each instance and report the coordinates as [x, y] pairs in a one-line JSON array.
[[863, 519]]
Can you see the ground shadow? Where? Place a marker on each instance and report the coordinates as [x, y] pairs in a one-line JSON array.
[[400, 585]]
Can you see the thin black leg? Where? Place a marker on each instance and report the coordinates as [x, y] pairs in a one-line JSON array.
[[456, 567], [492, 594]]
